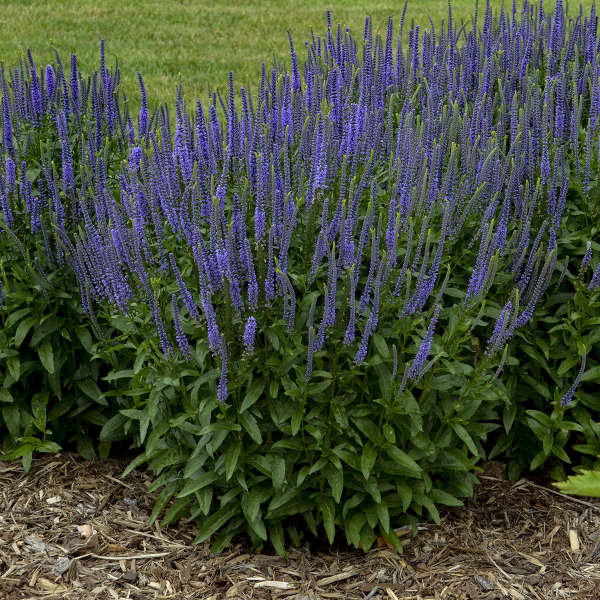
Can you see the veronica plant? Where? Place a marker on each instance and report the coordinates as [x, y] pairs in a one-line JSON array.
[[323, 283]]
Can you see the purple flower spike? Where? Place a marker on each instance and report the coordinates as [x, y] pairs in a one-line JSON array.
[[7, 129], [249, 334], [180, 336], [74, 84], [67, 157], [587, 258], [566, 399], [135, 157], [143, 116], [222, 386], [50, 82], [414, 371]]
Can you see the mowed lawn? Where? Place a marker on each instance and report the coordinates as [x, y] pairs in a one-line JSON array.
[[196, 43]]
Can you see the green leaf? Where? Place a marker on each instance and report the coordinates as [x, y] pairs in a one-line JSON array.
[[367, 537], [113, 429], [586, 483], [197, 483], [175, 511], [567, 365], [282, 498], [354, 527], [27, 453], [559, 452], [368, 429], [538, 460], [336, 482], [85, 447], [104, 450], [442, 497], [316, 467], [383, 516], [90, 388], [296, 419], [46, 328], [446, 382], [232, 455], [277, 471], [367, 459], [6, 396], [14, 367], [39, 402], [252, 395], [314, 389], [115, 375], [277, 539], [258, 526], [351, 503], [592, 374], [204, 499], [16, 316], [537, 428], [162, 500], [214, 522], [252, 500], [391, 537], [225, 427], [85, 338], [251, 426], [406, 495], [373, 489], [541, 418], [371, 515], [515, 468], [12, 419], [327, 509], [48, 447], [464, 435], [431, 509], [22, 330], [381, 345], [508, 416], [404, 461], [389, 433], [46, 355]]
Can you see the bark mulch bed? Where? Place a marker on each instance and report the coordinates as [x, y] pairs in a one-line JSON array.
[[72, 529]]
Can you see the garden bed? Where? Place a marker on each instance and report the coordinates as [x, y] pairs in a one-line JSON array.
[[519, 541]]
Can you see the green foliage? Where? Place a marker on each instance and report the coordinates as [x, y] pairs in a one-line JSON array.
[[539, 432], [49, 392], [286, 460], [586, 483]]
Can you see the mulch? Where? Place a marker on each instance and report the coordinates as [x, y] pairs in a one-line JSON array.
[[72, 529]]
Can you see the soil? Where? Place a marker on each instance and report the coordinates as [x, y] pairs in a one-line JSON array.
[[72, 529]]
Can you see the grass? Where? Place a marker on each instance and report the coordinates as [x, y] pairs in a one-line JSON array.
[[195, 43]]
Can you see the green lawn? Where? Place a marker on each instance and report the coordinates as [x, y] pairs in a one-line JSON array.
[[195, 42]]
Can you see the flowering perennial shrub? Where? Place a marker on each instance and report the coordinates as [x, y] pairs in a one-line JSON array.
[[333, 271]]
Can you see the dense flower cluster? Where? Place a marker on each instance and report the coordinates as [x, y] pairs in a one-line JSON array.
[[350, 178]]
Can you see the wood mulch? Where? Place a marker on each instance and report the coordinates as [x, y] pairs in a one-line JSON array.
[[71, 529]]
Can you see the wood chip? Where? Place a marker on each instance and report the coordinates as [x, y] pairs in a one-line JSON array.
[[339, 577], [574, 540], [520, 544], [49, 586], [277, 585]]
